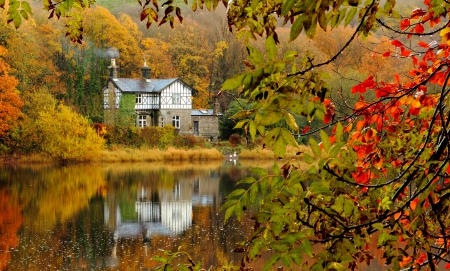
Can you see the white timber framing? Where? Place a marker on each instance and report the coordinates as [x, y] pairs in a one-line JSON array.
[[148, 101], [176, 88]]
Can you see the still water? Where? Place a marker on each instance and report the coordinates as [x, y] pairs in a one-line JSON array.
[[119, 216], [116, 216]]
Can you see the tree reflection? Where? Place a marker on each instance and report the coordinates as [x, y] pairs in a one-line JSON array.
[[10, 222]]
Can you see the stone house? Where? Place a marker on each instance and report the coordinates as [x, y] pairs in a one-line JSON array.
[[158, 102]]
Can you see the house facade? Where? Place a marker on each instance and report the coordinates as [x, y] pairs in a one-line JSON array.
[[157, 102]]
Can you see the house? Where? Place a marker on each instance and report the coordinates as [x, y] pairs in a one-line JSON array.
[[158, 102]]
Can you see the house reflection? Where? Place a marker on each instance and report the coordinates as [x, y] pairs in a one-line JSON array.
[[162, 210]]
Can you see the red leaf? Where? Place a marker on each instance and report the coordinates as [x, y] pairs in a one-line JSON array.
[[397, 43], [386, 54], [447, 266], [419, 29], [415, 60], [404, 24], [417, 13], [305, 130], [423, 44], [405, 52]]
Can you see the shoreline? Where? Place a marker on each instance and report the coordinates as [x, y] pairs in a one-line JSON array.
[[132, 155]]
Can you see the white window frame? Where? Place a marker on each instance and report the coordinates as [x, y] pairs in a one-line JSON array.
[[176, 122], [139, 98], [142, 120], [176, 98]]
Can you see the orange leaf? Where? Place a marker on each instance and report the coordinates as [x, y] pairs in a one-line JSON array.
[[413, 204]]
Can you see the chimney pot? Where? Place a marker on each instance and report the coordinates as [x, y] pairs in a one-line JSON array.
[[113, 69]]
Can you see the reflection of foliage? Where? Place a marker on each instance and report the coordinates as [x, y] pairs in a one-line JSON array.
[[55, 194], [10, 222]]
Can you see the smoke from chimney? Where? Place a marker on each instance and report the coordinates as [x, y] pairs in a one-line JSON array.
[[107, 53]]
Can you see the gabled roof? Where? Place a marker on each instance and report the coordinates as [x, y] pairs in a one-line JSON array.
[[138, 85]]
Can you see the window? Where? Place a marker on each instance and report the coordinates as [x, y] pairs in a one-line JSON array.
[[142, 120], [176, 122], [176, 98], [138, 98], [162, 122]]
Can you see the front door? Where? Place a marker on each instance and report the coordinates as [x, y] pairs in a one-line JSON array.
[[196, 128]]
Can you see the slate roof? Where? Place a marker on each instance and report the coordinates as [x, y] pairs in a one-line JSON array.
[[138, 85], [202, 112]]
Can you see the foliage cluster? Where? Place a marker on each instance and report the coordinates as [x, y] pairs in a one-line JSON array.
[[67, 136]]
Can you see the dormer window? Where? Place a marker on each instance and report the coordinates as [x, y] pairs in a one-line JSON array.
[[176, 98], [138, 98]]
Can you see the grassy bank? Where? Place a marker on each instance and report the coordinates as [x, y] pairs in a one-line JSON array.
[[119, 154]]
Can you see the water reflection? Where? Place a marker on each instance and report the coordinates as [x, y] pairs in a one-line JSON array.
[[116, 217]]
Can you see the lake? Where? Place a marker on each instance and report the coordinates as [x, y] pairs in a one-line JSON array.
[[119, 216]]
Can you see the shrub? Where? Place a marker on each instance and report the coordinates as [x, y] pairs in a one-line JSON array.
[[67, 135], [235, 139]]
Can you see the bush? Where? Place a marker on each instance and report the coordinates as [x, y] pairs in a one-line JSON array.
[[67, 136], [234, 139]]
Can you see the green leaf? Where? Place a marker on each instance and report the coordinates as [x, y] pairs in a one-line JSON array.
[[297, 27], [318, 188], [308, 158], [236, 192], [233, 82], [244, 181], [336, 148], [256, 58], [325, 141], [17, 20], [259, 171], [296, 256], [288, 137], [323, 20], [311, 30], [26, 6], [271, 48], [290, 120], [315, 147], [279, 148], [338, 266], [268, 119], [290, 55], [306, 247], [240, 124], [339, 132], [287, 6], [160, 259], [350, 15], [229, 212], [270, 263], [348, 207], [286, 260], [252, 129], [253, 193]]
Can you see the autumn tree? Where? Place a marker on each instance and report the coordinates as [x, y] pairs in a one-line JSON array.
[[10, 102]]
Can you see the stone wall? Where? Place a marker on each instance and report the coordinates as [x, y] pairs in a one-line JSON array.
[[208, 126]]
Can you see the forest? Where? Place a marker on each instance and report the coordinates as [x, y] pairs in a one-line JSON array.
[[46, 73]]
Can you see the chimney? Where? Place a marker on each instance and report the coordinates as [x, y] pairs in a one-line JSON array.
[[146, 72], [216, 110], [113, 69]]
